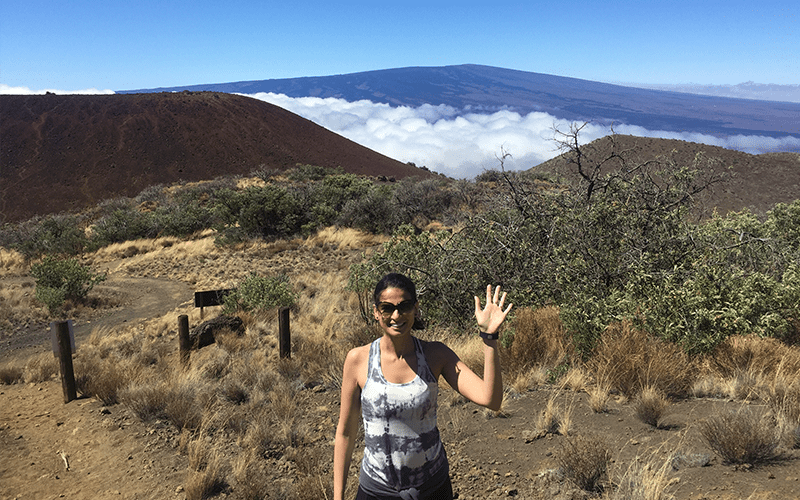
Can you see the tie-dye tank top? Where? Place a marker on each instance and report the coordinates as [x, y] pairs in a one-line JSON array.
[[403, 450]]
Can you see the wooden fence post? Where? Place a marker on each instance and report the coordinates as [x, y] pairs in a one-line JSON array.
[[285, 337], [183, 338], [65, 361]]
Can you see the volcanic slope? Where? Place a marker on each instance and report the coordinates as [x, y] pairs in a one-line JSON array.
[[65, 153], [752, 182]]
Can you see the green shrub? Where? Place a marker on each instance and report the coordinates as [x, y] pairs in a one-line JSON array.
[[267, 212], [258, 293], [305, 173], [322, 201], [622, 246], [374, 212], [122, 224], [60, 234], [58, 280]]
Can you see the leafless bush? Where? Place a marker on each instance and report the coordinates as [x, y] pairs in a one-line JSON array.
[[584, 460], [746, 436], [650, 405]]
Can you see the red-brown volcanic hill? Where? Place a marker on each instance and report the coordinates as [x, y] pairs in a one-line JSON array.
[[64, 153], [755, 182]]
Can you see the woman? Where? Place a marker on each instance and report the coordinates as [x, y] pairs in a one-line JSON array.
[[392, 384]]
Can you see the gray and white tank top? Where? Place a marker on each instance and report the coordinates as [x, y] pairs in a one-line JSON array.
[[403, 450]]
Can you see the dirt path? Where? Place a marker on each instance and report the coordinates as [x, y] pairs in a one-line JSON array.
[[81, 450], [131, 299]]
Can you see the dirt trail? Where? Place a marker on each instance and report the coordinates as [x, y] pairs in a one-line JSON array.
[[133, 298], [81, 450]]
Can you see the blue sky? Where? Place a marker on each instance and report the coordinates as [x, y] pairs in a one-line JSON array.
[[143, 44]]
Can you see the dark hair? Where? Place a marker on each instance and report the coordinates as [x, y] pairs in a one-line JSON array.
[[395, 280], [401, 282]]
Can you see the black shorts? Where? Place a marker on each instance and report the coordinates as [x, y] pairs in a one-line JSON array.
[[443, 493]]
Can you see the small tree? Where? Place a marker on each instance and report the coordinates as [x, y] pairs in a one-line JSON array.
[[59, 280], [258, 293]]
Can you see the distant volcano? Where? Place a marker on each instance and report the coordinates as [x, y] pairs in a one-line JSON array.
[[64, 153]]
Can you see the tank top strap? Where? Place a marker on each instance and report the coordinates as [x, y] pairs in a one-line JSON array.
[[374, 362], [423, 370]]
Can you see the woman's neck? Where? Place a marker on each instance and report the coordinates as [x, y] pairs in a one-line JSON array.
[[401, 347]]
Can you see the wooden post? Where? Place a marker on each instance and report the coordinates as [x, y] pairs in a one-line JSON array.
[[65, 361], [285, 337], [183, 338]]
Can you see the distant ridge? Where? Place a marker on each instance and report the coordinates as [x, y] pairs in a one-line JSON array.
[[478, 88], [755, 182], [65, 153]]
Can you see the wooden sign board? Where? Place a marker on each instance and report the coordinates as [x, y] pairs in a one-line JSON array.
[[210, 297]]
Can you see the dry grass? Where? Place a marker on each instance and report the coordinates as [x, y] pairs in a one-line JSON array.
[[784, 402], [754, 355], [12, 263], [207, 476], [584, 460], [599, 396], [11, 373], [630, 360], [40, 368], [650, 405], [575, 379], [19, 306], [746, 436], [555, 418], [238, 399], [539, 340], [644, 479]]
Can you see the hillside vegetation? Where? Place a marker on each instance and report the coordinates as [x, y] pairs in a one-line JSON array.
[[622, 288]]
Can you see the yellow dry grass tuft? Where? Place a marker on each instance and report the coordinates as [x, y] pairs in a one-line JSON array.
[[630, 360], [539, 340], [12, 263], [650, 405]]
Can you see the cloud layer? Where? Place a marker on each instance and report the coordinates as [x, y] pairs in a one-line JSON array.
[[462, 144], [8, 90]]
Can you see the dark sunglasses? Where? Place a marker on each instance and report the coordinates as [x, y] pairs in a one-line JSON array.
[[387, 308]]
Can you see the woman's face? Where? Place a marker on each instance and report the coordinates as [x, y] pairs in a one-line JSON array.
[[395, 311]]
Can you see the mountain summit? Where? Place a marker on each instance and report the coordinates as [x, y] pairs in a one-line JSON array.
[[475, 88]]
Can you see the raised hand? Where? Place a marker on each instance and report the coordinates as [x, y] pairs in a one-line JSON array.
[[492, 316]]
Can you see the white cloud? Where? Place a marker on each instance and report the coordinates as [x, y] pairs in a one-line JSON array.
[[439, 137], [462, 144], [9, 90]]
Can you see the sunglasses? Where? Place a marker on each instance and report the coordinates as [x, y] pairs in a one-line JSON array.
[[387, 308]]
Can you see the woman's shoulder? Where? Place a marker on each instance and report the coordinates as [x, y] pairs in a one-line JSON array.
[[360, 352], [434, 349]]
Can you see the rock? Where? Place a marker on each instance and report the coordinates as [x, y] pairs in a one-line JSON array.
[[205, 333]]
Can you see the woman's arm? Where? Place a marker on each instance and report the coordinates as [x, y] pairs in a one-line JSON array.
[[488, 391], [347, 428]]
